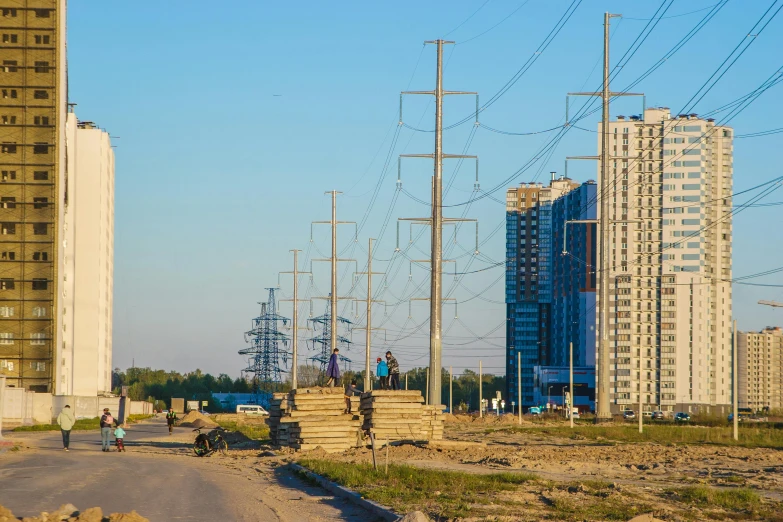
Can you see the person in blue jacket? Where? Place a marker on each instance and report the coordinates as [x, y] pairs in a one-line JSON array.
[[333, 370], [383, 373]]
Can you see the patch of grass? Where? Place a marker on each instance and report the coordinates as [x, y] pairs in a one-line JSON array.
[[750, 437], [137, 418], [450, 494], [251, 431], [741, 499]]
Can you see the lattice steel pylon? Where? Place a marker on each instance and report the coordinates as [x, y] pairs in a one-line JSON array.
[[268, 357], [325, 338]]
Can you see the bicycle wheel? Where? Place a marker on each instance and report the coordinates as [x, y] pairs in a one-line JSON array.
[[200, 449], [222, 447]]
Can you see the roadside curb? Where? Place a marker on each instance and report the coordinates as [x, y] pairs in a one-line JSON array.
[[349, 495]]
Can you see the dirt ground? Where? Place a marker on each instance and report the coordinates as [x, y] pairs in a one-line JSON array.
[[581, 471]]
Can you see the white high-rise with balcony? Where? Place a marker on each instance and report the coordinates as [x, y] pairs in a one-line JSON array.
[[670, 262]]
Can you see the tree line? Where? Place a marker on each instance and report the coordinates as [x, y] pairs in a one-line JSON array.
[[159, 386]]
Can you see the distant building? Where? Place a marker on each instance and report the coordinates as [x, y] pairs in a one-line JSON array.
[[669, 275], [760, 368], [552, 384]]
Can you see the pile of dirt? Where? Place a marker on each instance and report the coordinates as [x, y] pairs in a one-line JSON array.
[[69, 513], [194, 419]]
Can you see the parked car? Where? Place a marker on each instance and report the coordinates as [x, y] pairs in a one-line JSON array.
[[682, 417], [629, 415], [739, 419], [534, 410], [657, 415], [251, 409]]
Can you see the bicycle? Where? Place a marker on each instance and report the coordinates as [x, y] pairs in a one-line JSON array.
[[205, 445]]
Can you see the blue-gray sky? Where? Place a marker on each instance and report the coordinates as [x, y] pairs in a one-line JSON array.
[[217, 177]]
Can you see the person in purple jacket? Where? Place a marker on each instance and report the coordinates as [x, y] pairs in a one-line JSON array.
[[333, 370]]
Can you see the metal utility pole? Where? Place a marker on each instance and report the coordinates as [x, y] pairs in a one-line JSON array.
[[295, 319], [436, 221], [734, 384], [603, 411], [369, 301], [481, 397], [451, 390], [333, 260], [519, 385], [571, 382], [2, 401]]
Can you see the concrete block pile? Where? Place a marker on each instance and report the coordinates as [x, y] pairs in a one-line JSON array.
[[314, 417], [277, 406], [400, 415]]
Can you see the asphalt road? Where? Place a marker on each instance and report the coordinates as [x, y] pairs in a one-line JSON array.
[[160, 479]]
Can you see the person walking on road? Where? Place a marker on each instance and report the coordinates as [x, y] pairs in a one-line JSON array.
[[383, 373], [333, 370], [119, 435], [394, 371], [106, 423], [171, 417], [66, 420]]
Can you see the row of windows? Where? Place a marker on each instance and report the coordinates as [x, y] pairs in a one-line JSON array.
[[40, 39], [38, 94], [8, 311], [11, 256], [39, 229], [10, 202], [38, 175], [12, 66], [38, 283], [10, 147], [37, 120], [37, 366], [12, 12]]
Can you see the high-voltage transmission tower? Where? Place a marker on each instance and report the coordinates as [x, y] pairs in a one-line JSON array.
[[268, 357], [329, 338], [436, 222]]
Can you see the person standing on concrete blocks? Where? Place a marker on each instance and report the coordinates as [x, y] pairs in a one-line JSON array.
[[394, 371], [106, 423], [383, 374], [66, 420], [333, 370]]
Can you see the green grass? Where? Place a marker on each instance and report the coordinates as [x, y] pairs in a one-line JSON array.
[[750, 437], [251, 431], [740, 499], [80, 425], [450, 494]]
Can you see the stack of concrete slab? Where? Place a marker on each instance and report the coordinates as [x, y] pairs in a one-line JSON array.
[[396, 414], [315, 417], [277, 406], [432, 422]]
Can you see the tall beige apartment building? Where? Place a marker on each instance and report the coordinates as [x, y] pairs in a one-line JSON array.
[[56, 215], [760, 361], [670, 262]]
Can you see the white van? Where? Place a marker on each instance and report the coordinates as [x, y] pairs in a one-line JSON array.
[[251, 409]]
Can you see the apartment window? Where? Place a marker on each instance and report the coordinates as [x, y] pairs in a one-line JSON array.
[[40, 148], [9, 120], [8, 256], [38, 339], [9, 93], [42, 39], [42, 13], [9, 66], [40, 203], [8, 229], [40, 283], [7, 202], [40, 256], [39, 311], [40, 229], [10, 38], [40, 95], [6, 338], [6, 284], [38, 366], [8, 148], [41, 120], [42, 67], [6, 311], [9, 12], [41, 175]]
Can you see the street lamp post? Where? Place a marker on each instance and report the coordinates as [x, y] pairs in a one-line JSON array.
[[548, 398]]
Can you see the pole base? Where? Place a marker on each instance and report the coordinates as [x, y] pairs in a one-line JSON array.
[[604, 420]]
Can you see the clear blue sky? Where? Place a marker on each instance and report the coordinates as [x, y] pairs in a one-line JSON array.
[[217, 178]]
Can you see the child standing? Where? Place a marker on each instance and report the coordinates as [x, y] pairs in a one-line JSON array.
[[383, 373], [119, 434]]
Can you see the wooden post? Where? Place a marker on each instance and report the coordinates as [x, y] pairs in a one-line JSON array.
[[387, 454], [406, 381], [372, 442]]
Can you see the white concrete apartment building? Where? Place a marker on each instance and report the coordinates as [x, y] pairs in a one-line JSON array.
[[87, 268], [670, 262], [760, 361]]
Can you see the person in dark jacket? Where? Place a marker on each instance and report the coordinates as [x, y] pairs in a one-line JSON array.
[[333, 370], [171, 418], [107, 421], [394, 371]]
